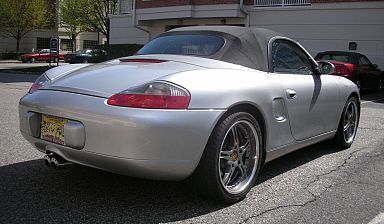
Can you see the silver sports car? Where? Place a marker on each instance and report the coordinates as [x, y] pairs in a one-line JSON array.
[[211, 104]]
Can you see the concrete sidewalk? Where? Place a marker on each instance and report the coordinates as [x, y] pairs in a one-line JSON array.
[[9, 61]]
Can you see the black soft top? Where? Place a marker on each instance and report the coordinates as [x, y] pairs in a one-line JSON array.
[[244, 46]]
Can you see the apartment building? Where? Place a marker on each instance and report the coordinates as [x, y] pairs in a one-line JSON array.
[[318, 24]]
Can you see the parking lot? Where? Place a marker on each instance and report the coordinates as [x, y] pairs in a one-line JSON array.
[[318, 184]]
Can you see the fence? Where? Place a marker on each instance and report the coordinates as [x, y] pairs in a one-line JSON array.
[[281, 3]]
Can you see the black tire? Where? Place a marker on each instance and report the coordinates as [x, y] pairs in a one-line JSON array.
[[55, 60], [33, 60], [358, 83], [345, 137], [243, 158], [381, 84]]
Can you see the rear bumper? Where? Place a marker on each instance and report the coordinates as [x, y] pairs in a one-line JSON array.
[[154, 144]]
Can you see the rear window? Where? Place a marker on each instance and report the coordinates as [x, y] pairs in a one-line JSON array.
[[198, 45]]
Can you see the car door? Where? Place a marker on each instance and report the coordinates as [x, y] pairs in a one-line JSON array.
[[44, 55], [311, 99], [370, 74]]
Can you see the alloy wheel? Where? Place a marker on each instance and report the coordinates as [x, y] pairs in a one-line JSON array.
[[350, 122], [239, 157]]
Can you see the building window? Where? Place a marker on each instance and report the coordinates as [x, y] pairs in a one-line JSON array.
[[89, 44], [66, 45], [352, 46], [43, 43], [125, 6], [281, 3]]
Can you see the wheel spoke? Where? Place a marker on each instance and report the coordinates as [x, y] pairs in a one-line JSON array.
[[228, 176], [226, 155], [235, 136], [244, 148], [243, 169], [347, 126]]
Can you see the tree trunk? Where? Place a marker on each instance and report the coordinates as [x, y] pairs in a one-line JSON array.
[[73, 43], [108, 30], [18, 47]]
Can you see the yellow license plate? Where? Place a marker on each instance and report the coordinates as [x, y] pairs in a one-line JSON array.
[[52, 129]]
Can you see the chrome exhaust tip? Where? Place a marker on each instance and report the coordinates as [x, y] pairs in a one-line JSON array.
[[55, 161]]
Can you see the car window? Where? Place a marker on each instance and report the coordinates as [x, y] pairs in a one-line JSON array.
[[343, 58], [288, 57], [364, 61], [195, 44]]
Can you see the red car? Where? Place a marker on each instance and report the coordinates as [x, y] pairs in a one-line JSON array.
[[42, 55], [356, 67]]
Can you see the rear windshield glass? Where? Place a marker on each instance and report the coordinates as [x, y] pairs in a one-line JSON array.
[[199, 45]]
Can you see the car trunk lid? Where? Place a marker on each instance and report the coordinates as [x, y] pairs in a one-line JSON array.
[[106, 79]]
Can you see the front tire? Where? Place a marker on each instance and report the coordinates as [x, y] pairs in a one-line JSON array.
[[348, 124], [33, 60], [231, 160]]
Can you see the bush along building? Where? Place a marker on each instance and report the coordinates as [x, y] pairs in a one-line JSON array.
[[319, 25]]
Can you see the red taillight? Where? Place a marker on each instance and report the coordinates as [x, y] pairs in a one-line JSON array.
[[34, 87], [39, 83], [149, 101], [157, 95]]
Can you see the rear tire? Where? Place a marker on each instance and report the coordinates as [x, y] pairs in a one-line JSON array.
[[33, 60], [348, 124], [231, 160]]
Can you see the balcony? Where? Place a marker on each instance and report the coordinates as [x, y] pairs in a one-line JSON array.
[[281, 3]]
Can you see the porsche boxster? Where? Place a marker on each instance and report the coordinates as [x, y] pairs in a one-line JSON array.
[[208, 104]]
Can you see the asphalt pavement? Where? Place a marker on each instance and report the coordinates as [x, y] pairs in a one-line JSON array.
[[318, 184]]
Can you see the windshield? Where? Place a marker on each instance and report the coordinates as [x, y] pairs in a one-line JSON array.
[[198, 45]]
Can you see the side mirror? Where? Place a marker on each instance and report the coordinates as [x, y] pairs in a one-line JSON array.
[[325, 68]]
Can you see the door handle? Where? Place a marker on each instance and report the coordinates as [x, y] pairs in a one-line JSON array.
[[291, 94]]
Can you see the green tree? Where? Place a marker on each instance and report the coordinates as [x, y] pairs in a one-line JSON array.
[[96, 15], [71, 18], [19, 17]]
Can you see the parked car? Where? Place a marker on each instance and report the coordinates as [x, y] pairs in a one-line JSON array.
[[86, 56], [42, 55], [355, 67], [209, 103]]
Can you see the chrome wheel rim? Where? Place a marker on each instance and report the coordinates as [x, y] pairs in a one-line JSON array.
[[350, 122], [238, 158]]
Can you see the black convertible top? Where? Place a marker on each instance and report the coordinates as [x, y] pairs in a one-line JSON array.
[[244, 46]]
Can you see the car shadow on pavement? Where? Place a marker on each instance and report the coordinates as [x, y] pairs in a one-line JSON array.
[[11, 77], [32, 192]]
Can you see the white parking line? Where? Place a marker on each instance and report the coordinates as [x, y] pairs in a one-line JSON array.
[[379, 219], [371, 101]]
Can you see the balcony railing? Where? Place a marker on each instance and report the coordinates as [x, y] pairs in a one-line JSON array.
[[281, 3]]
